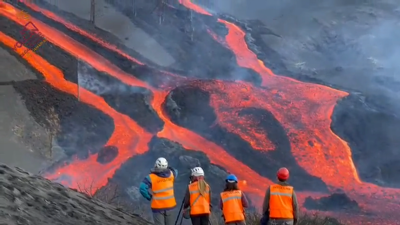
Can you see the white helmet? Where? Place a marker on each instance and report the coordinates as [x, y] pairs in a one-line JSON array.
[[161, 163], [197, 171]]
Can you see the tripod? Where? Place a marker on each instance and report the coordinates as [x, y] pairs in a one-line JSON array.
[[180, 210]]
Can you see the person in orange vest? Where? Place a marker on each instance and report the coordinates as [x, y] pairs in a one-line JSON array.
[[198, 198], [233, 202], [158, 187], [280, 201]]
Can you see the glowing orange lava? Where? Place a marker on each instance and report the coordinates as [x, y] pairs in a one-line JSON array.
[[304, 110], [171, 131], [130, 138]]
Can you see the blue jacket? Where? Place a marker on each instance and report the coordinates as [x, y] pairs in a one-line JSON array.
[[145, 185]]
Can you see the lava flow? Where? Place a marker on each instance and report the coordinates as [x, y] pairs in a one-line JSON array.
[[127, 134], [307, 111], [73, 170]]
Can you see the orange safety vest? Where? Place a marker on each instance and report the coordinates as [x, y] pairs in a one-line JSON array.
[[281, 202], [163, 192], [232, 207], [199, 204]]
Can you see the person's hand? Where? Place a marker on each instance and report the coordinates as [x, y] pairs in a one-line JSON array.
[[186, 211], [171, 169]]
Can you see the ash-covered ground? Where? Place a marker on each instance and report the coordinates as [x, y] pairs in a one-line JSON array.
[[319, 49], [30, 199]]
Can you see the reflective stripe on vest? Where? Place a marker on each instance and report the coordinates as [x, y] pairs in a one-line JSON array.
[[232, 207], [199, 204], [281, 202], [163, 192]]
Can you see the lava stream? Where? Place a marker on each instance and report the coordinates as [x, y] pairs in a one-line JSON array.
[[294, 94], [337, 171], [130, 138], [217, 155], [82, 52], [75, 48]]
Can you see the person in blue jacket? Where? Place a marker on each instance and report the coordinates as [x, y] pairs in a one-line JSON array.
[[158, 187]]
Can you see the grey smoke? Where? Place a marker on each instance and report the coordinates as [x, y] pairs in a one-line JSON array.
[[91, 82]]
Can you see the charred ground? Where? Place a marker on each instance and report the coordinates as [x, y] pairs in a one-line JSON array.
[[373, 134]]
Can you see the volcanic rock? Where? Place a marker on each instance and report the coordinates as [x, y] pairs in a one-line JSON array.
[[30, 200], [107, 154], [371, 127], [189, 161], [133, 193], [218, 171], [334, 202]]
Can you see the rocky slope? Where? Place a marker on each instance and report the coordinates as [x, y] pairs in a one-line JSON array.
[[30, 200]]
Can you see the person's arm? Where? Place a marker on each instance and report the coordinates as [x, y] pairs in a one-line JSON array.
[[144, 187], [209, 195], [220, 203], [174, 171], [245, 202], [186, 203], [265, 207], [295, 207]]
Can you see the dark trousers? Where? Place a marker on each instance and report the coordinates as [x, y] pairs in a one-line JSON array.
[[236, 223], [203, 219]]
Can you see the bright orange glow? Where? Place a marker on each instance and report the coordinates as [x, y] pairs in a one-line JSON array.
[[171, 131], [6, 7], [304, 110], [129, 137]]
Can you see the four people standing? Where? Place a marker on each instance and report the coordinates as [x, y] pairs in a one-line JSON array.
[[280, 202]]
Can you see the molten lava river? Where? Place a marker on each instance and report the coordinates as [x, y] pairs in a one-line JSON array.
[[304, 110]]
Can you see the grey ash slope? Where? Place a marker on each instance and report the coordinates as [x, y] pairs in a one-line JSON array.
[[28, 199]]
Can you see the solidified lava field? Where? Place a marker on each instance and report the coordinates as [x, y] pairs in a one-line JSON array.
[[114, 105]]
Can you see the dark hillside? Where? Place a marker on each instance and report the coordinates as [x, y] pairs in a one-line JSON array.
[[32, 200]]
